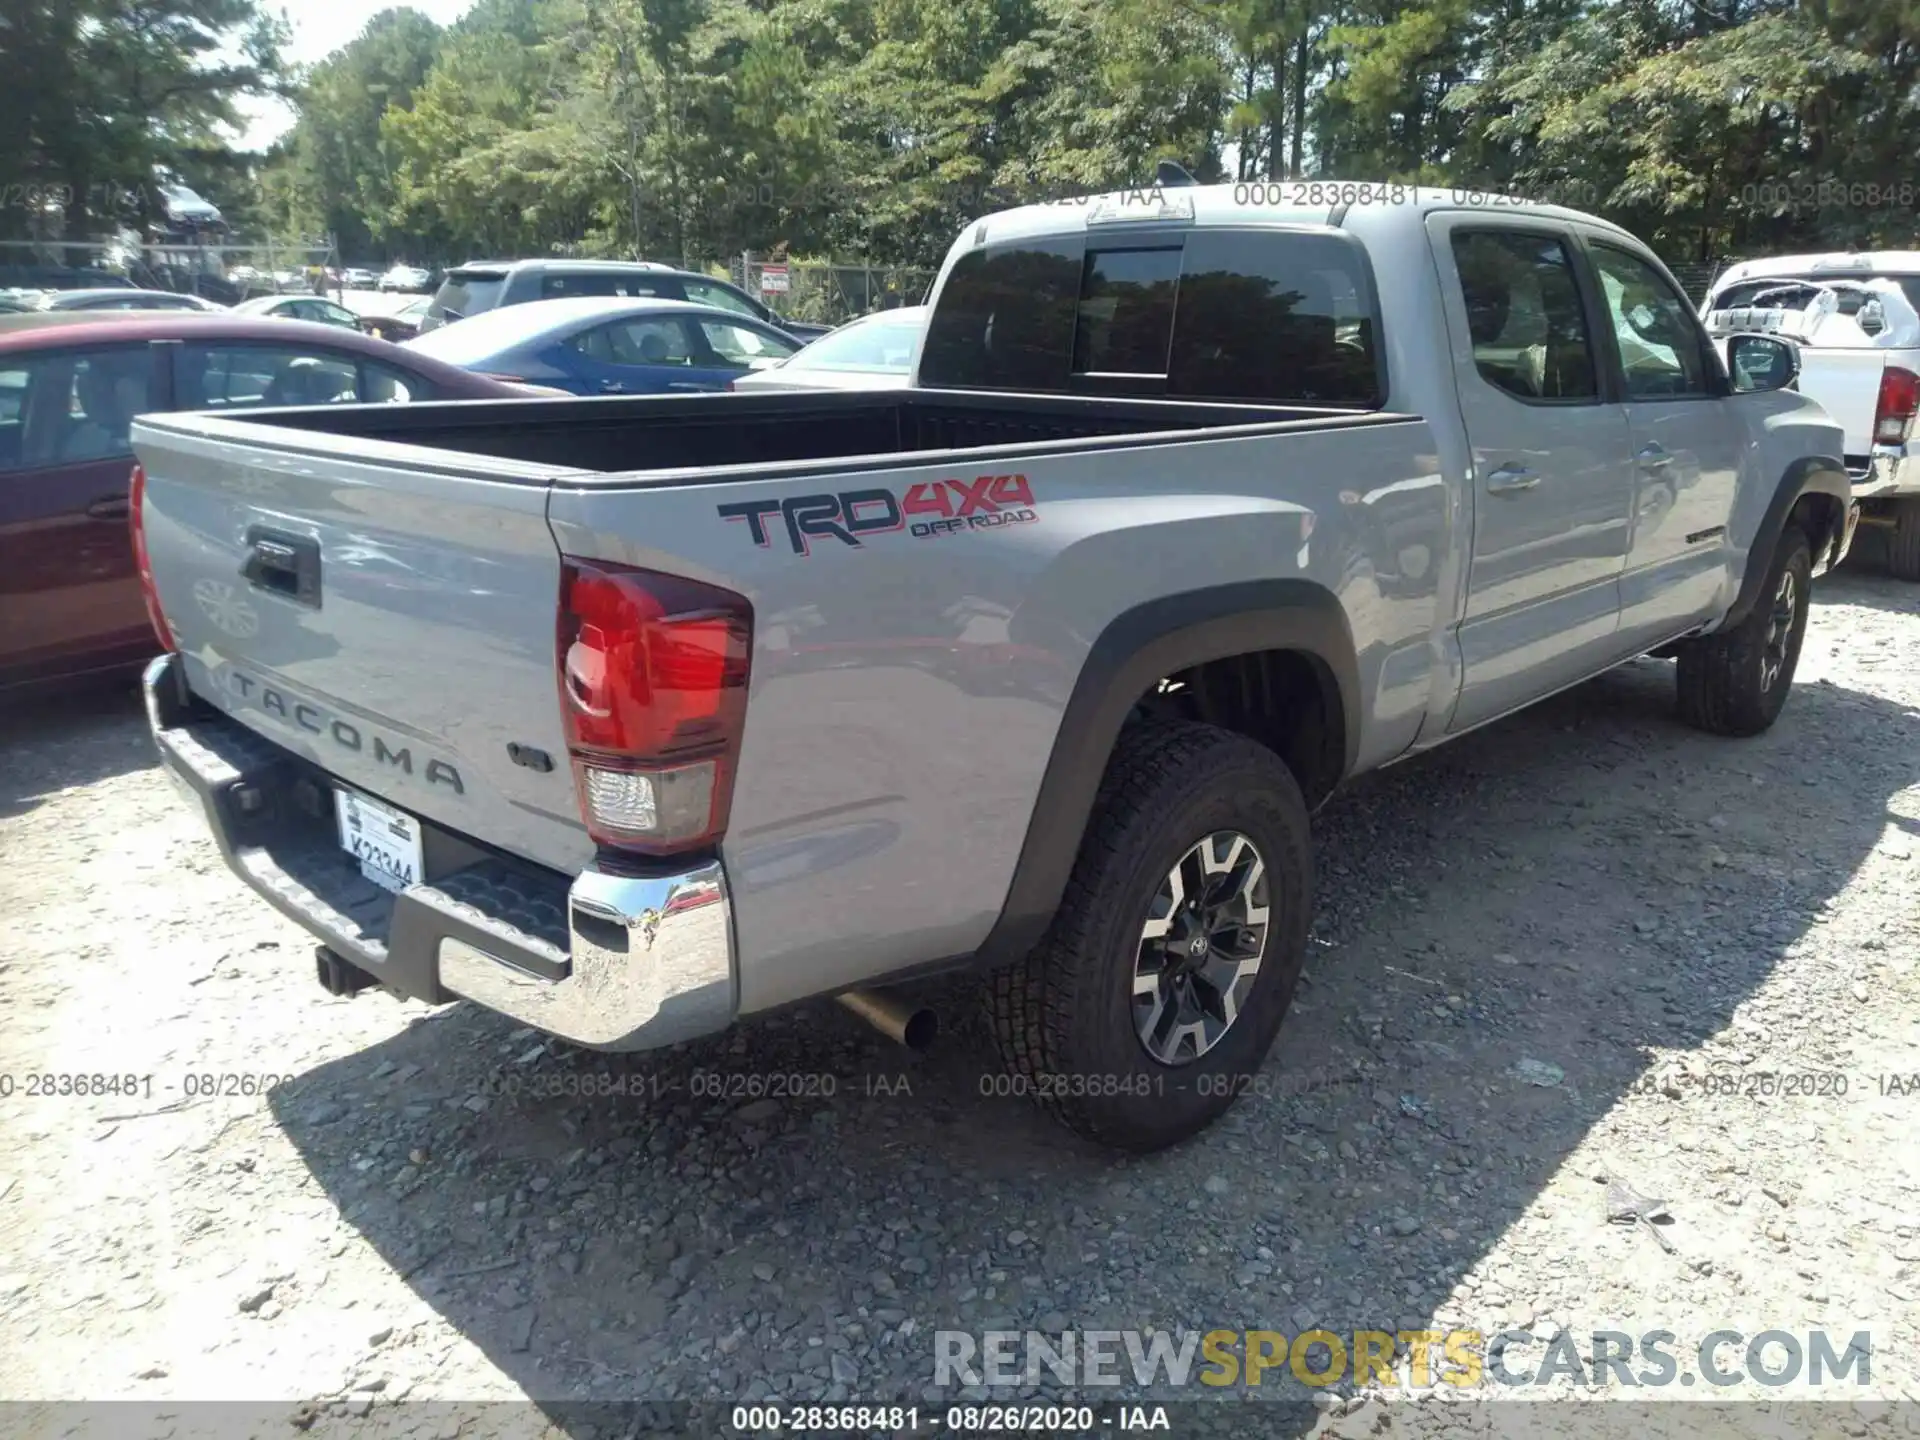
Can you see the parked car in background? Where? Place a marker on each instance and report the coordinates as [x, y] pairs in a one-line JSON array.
[[18, 304], [1854, 319], [596, 346], [354, 278], [70, 385], [299, 307], [402, 325], [476, 287], [874, 352], [118, 299], [405, 279]]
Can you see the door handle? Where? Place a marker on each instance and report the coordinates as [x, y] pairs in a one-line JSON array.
[[282, 564], [1510, 479], [112, 507], [1653, 457], [612, 387]]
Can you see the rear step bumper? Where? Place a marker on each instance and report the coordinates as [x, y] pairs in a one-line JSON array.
[[612, 961]]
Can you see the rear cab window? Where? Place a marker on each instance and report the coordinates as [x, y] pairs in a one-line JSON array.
[[1220, 313]]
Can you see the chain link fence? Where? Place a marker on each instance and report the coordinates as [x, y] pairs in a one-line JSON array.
[[830, 294], [226, 273]]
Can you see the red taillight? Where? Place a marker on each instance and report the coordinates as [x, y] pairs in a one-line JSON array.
[[1899, 399], [136, 522], [653, 690]]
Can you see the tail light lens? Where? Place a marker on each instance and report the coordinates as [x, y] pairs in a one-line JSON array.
[[653, 688], [1899, 399], [136, 522]]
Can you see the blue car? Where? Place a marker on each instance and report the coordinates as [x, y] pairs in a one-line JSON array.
[[600, 346]]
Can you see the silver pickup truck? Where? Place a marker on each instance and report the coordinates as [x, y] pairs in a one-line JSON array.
[[634, 718]]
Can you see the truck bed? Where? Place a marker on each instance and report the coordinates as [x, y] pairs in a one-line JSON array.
[[702, 432]]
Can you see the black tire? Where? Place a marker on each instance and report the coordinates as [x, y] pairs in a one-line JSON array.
[[1903, 540], [1727, 685], [1064, 1018]]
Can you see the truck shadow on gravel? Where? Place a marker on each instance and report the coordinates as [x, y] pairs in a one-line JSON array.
[[1505, 930], [74, 735]]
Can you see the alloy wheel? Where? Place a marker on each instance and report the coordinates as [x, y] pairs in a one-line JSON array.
[[1200, 948]]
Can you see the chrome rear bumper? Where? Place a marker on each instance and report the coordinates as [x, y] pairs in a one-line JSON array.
[[616, 960]]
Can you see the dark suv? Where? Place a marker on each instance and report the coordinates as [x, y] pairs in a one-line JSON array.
[[486, 285]]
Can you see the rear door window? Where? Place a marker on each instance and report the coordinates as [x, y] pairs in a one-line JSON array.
[[1525, 319], [561, 285], [647, 341], [246, 377], [1242, 315], [1276, 317]]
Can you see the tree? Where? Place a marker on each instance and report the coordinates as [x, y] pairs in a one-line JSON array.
[[96, 96], [340, 178]]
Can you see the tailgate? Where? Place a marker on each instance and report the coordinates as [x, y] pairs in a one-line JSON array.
[[1847, 385], [387, 612]]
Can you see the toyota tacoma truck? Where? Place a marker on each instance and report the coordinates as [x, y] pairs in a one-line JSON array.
[[1854, 319], [633, 719]]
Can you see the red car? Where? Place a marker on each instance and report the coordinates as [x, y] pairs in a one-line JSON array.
[[70, 386]]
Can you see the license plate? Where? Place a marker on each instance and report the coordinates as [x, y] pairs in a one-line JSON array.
[[385, 841]]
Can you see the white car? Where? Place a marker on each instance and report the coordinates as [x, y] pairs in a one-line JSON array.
[[1854, 320], [358, 279], [300, 307], [874, 352], [405, 278]]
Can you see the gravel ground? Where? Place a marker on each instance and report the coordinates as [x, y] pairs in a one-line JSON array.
[[1541, 956]]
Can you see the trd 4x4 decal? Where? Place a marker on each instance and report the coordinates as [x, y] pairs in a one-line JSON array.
[[929, 509]]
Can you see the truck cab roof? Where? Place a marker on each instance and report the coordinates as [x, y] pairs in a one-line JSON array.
[[1260, 202]]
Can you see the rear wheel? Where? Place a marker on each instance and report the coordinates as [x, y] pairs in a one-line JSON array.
[[1903, 539], [1156, 994], [1735, 682]]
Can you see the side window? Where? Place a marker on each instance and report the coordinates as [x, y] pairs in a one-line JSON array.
[[14, 381], [1283, 318], [64, 409], [723, 297], [1124, 325], [1662, 348], [242, 377], [743, 348], [596, 282], [638, 342], [383, 385], [1524, 317]]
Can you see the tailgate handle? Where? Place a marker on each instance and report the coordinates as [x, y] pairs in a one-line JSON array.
[[287, 565]]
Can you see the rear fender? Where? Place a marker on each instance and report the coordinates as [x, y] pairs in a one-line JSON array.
[[1137, 649]]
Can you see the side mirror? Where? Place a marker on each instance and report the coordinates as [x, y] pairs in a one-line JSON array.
[[1761, 362]]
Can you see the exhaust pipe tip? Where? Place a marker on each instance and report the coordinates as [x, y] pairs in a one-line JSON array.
[[915, 1027]]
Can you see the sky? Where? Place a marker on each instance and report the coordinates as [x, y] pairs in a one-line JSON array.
[[319, 28]]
